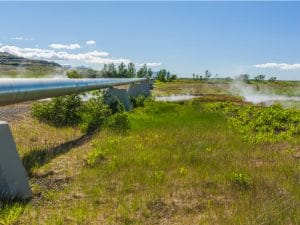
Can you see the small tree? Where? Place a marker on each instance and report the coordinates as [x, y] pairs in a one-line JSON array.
[[207, 75], [243, 77], [272, 79], [165, 76], [149, 73], [122, 71], [112, 72], [104, 71], [162, 75], [173, 77], [259, 78], [131, 71], [142, 71], [168, 76]]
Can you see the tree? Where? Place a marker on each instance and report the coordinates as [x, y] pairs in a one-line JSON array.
[[104, 71], [194, 76], [142, 72], [259, 78], [149, 73], [168, 76], [112, 72], [272, 79], [122, 71], [207, 75], [243, 77], [173, 77], [162, 75], [131, 72]]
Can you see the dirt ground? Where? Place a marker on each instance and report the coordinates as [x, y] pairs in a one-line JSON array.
[[14, 112]]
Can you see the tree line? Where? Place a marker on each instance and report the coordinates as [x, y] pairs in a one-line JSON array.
[[206, 76], [122, 71], [259, 78], [243, 77]]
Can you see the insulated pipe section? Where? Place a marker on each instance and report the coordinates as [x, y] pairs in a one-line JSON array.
[[29, 89]]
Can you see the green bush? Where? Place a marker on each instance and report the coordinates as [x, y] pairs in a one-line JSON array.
[[90, 115], [95, 156], [94, 114], [116, 106], [70, 111], [119, 122], [259, 124], [138, 101], [60, 111], [73, 74], [241, 180]]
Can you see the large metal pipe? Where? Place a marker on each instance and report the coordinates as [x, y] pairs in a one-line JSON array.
[[29, 89]]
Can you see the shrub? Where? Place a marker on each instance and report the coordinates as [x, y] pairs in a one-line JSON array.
[[138, 101], [116, 106], [119, 122], [259, 124], [241, 180], [95, 156], [60, 111], [73, 74], [94, 114]]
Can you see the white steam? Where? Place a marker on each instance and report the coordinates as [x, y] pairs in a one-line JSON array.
[[174, 98], [252, 94]]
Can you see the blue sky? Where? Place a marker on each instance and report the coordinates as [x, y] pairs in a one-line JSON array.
[[227, 38]]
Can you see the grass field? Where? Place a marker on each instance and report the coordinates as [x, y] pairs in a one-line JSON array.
[[180, 163], [221, 87]]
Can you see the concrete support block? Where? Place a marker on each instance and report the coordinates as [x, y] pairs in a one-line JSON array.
[[121, 95], [142, 88], [13, 179]]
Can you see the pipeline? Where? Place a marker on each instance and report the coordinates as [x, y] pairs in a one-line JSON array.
[[21, 90]]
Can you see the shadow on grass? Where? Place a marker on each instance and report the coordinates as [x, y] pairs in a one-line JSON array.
[[39, 157]]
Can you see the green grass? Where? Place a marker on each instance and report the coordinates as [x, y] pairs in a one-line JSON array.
[[178, 164]]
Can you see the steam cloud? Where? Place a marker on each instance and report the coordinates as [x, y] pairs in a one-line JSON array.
[[251, 94]]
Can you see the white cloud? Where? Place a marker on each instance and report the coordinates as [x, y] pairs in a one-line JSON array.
[[95, 57], [91, 42], [22, 39], [61, 46], [282, 66], [150, 64]]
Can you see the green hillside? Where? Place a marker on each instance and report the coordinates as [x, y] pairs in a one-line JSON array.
[[11, 65]]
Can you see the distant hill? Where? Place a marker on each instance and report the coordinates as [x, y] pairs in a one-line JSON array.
[[11, 65]]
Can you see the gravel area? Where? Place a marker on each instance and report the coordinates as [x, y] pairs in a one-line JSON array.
[[14, 112]]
